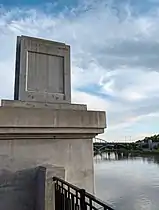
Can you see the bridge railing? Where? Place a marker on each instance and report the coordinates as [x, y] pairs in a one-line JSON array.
[[70, 197]]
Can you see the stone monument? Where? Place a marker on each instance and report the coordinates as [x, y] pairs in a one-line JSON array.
[[41, 126], [42, 71]]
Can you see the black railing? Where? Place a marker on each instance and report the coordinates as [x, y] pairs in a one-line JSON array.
[[70, 197]]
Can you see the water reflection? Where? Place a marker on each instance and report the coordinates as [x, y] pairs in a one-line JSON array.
[[128, 181], [127, 156]]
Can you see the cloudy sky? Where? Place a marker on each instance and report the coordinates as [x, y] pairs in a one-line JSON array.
[[115, 55]]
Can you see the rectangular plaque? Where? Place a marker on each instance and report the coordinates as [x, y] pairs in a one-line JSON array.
[[42, 71], [45, 73]]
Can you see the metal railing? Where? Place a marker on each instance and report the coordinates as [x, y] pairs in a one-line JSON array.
[[70, 197]]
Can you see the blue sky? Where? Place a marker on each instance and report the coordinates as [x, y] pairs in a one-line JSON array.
[[114, 52]]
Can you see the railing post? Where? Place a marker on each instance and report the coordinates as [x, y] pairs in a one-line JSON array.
[[82, 199]]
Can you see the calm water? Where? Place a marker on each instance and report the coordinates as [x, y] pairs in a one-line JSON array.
[[129, 183]]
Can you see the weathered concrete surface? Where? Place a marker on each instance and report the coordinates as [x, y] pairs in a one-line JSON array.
[[51, 171], [75, 155], [57, 137], [42, 71], [18, 186], [32, 104], [22, 190]]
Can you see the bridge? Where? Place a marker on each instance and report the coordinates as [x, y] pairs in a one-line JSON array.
[[100, 145]]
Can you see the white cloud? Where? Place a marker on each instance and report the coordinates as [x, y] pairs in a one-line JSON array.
[[93, 102], [111, 49]]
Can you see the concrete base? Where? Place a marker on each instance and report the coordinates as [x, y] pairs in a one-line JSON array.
[[39, 136]]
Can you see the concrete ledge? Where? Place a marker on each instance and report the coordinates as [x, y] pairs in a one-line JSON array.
[[20, 134], [31, 104], [47, 118]]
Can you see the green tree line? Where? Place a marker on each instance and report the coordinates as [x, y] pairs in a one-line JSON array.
[[154, 138]]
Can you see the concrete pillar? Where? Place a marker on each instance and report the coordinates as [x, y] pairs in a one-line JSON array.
[[41, 126]]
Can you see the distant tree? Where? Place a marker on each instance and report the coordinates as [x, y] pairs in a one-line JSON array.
[[154, 138]]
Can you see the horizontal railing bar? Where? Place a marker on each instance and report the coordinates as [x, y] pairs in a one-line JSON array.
[[97, 200], [74, 195], [100, 207], [66, 183]]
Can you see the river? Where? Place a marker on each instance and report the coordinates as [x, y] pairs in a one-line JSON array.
[[128, 183]]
